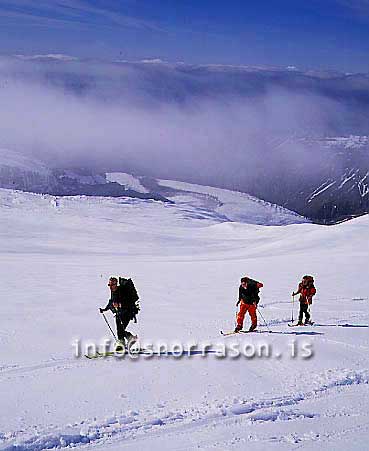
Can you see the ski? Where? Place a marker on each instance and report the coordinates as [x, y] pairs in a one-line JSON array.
[[300, 325], [104, 354], [117, 354], [232, 332]]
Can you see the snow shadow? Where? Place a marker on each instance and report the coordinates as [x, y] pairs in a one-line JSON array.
[[296, 333], [341, 325]]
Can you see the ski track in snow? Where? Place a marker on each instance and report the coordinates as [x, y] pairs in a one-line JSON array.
[[120, 427], [15, 370]]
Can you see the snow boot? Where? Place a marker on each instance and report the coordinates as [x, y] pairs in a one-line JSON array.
[[252, 327], [131, 341], [120, 346], [237, 329]]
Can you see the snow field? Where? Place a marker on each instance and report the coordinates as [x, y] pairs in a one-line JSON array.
[[186, 261]]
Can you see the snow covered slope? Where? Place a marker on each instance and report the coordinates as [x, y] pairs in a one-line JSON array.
[[186, 261], [19, 172], [200, 201], [127, 180], [232, 205], [23, 173]]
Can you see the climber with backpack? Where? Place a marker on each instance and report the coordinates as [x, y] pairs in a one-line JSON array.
[[123, 303], [307, 290], [248, 299]]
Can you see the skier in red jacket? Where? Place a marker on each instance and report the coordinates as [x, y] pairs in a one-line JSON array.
[[307, 290]]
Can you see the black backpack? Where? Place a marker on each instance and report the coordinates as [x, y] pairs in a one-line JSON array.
[[129, 296], [255, 289]]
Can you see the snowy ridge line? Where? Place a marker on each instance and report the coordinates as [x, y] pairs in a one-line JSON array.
[[126, 426]]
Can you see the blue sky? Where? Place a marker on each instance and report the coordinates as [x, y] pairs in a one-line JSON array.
[[309, 34]]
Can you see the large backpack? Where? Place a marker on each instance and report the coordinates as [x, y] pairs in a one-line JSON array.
[[129, 296], [253, 284], [309, 281]]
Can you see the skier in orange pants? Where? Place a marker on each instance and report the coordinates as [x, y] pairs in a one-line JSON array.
[[248, 298]]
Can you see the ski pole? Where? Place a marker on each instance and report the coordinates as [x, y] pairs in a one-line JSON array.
[[266, 325], [111, 330], [293, 304]]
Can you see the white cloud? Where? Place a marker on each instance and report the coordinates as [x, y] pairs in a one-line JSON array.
[[359, 7], [72, 12], [54, 56], [168, 119]]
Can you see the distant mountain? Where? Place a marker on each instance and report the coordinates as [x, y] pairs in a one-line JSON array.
[[345, 191], [22, 173], [209, 203], [26, 174], [326, 190], [331, 193]]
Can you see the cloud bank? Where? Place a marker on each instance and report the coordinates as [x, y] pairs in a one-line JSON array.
[[200, 123]]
